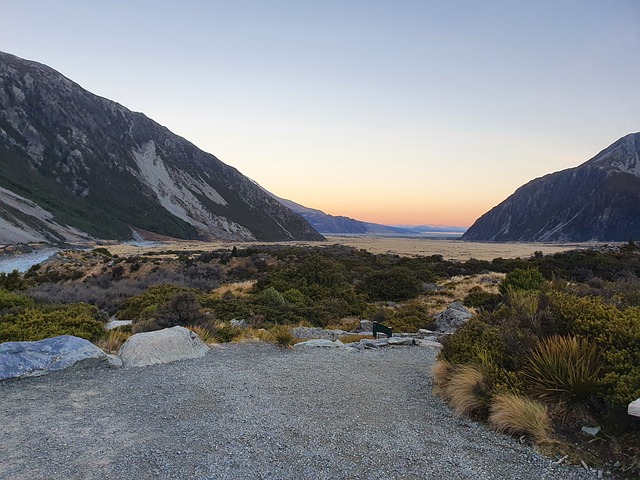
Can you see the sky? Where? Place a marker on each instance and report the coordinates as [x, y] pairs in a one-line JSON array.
[[396, 112]]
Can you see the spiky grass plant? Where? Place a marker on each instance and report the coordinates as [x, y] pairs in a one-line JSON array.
[[205, 334], [515, 414], [564, 370], [467, 390], [113, 341], [282, 335]]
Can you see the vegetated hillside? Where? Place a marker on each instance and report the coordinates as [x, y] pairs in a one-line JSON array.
[[598, 200], [74, 165]]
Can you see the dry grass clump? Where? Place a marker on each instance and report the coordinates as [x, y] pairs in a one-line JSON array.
[[466, 390], [564, 370], [441, 371], [353, 338], [113, 341], [205, 334], [515, 414], [347, 324], [236, 289]]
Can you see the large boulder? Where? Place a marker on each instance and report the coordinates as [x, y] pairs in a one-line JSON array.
[[31, 359], [161, 346], [452, 318], [634, 408]]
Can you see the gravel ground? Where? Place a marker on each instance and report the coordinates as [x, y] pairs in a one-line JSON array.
[[254, 411]]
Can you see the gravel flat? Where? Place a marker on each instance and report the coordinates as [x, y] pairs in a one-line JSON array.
[[254, 411]]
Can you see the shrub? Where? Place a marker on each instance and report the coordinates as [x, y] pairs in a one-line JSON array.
[[467, 390], [13, 301], [102, 251], [182, 309], [516, 414], [225, 332], [138, 306], [33, 324], [13, 281], [564, 369], [395, 284], [522, 279], [479, 298]]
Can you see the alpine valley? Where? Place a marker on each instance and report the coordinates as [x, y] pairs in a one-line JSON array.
[[75, 166]]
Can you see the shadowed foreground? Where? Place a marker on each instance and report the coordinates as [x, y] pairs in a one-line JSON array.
[[254, 411]]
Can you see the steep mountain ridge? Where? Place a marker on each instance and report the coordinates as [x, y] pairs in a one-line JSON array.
[[97, 169], [598, 200]]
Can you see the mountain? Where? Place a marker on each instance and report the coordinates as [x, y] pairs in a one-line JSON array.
[[333, 224], [598, 200], [74, 166]]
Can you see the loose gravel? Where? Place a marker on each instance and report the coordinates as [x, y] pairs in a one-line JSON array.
[[255, 411]]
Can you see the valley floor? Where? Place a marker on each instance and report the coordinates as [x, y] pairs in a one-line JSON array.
[[254, 411], [403, 246]]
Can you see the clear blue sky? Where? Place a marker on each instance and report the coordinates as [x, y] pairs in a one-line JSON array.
[[390, 111]]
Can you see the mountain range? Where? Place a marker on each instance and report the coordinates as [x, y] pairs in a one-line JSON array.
[[76, 166], [596, 201]]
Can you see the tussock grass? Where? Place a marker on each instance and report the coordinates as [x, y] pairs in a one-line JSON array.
[[441, 371], [466, 390], [205, 334], [353, 338], [564, 370], [236, 289], [523, 300], [515, 414], [282, 336], [113, 341]]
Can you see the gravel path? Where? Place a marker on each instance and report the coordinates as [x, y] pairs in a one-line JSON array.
[[254, 411]]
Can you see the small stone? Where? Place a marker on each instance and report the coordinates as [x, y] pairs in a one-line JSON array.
[[593, 431]]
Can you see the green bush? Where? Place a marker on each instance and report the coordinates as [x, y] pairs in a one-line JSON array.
[[617, 334], [395, 284], [146, 305], [479, 298], [13, 281], [14, 301], [522, 279], [80, 320]]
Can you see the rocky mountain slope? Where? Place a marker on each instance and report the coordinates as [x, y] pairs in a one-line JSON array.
[[598, 200], [74, 165]]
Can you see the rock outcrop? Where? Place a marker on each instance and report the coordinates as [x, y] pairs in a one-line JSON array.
[[598, 200], [452, 318], [162, 346], [31, 359]]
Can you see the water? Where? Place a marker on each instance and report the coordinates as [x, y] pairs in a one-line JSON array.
[[23, 262]]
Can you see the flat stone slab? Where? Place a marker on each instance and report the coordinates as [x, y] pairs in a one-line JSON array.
[[634, 408], [318, 343], [32, 359], [162, 346], [400, 341]]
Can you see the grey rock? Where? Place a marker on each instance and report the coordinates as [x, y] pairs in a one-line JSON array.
[[162, 346], [453, 317], [634, 408], [318, 343], [366, 326], [424, 331], [400, 341], [428, 343], [239, 323], [314, 332], [30, 359], [111, 324], [593, 431], [114, 361], [431, 287]]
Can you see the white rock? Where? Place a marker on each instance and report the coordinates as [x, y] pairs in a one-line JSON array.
[[161, 346], [110, 325], [634, 408]]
